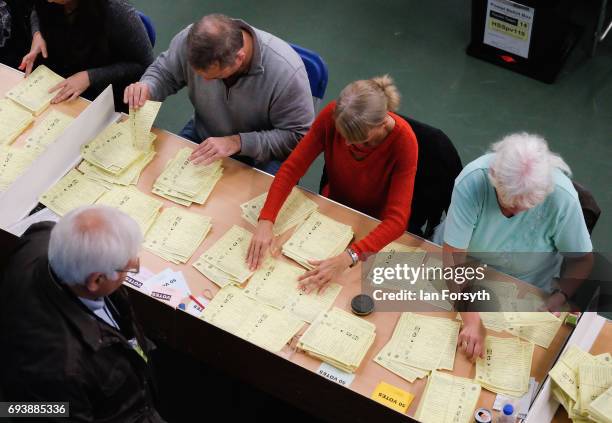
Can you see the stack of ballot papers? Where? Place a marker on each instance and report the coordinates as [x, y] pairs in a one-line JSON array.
[[338, 338], [13, 162], [582, 382], [420, 344], [225, 262], [176, 234], [142, 208], [184, 182], [33, 92], [448, 398], [296, 208], [129, 176], [275, 283], [506, 366], [72, 191], [265, 326], [47, 131], [13, 121], [318, 238]]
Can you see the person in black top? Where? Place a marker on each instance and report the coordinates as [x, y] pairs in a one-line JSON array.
[[67, 330], [14, 30]]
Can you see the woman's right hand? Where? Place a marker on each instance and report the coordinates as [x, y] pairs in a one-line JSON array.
[[262, 240], [39, 46]]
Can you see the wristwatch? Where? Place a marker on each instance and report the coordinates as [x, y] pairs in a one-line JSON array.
[[353, 256], [561, 292]]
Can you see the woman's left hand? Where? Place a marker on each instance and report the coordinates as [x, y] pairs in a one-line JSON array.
[[324, 272], [70, 88]]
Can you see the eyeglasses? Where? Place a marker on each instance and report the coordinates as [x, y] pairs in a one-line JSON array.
[[132, 269]]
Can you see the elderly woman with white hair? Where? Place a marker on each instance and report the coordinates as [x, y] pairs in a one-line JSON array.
[[514, 200], [67, 330]]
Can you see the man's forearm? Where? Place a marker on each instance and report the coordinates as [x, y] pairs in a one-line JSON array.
[[573, 273]]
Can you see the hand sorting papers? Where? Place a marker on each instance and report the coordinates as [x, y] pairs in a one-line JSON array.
[[33, 92]]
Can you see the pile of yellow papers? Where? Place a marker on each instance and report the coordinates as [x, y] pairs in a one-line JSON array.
[[296, 208], [338, 338], [578, 381], [72, 191], [13, 162], [251, 320], [600, 409], [33, 92], [129, 176], [142, 208], [225, 262], [47, 131], [140, 123], [318, 238], [418, 345], [448, 398], [506, 366], [13, 121], [275, 283], [184, 182], [176, 234]]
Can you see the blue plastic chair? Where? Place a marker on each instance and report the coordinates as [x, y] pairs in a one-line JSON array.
[[316, 70], [148, 24]]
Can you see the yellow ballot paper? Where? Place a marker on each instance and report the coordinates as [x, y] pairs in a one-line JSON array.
[[593, 380], [176, 234], [600, 409], [227, 258], [13, 162], [142, 208], [129, 176], [448, 398], [72, 191], [318, 238], [296, 208], [506, 366], [276, 284], [393, 397], [255, 322], [33, 92], [47, 131], [141, 121], [13, 121]]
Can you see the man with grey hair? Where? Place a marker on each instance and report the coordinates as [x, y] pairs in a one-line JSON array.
[[249, 89], [66, 326]]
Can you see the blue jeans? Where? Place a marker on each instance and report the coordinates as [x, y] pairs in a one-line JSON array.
[[270, 167]]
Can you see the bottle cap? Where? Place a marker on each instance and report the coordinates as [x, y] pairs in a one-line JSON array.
[[362, 305], [508, 409]]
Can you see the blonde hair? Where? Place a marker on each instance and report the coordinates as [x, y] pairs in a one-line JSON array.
[[522, 170], [363, 105]]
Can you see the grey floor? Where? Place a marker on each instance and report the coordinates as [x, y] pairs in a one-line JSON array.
[[422, 45]]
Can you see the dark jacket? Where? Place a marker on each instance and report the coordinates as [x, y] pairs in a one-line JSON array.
[[54, 349]]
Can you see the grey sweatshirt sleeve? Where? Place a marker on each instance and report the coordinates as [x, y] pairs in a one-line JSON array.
[[168, 73], [291, 115], [129, 44]]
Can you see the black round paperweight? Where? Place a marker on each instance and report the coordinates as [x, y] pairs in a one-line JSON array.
[[362, 305]]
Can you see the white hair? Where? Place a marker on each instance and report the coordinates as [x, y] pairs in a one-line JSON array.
[[522, 170], [93, 239]]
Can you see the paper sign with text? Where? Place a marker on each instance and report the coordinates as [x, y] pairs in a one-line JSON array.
[[335, 375], [393, 397]]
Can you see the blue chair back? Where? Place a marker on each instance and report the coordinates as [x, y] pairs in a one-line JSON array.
[[148, 24], [316, 70]]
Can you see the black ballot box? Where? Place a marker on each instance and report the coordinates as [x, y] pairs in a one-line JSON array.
[[532, 37]]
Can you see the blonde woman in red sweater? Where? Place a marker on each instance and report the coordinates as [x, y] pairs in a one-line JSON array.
[[371, 160]]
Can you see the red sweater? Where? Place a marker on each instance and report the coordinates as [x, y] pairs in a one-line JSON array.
[[380, 185]]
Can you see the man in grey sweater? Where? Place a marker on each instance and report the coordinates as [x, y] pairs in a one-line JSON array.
[[249, 89]]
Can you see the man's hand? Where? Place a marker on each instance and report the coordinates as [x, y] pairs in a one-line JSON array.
[[554, 304], [472, 336], [70, 88], [325, 272], [39, 46], [136, 95], [263, 238], [215, 148]]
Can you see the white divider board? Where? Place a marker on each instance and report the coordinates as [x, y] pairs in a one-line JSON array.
[[584, 335], [61, 156]]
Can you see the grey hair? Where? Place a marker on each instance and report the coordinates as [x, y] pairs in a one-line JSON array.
[[364, 104], [522, 169], [92, 239]]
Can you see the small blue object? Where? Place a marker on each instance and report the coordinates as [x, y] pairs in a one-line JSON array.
[[316, 70], [508, 409], [148, 24], [182, 306]]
